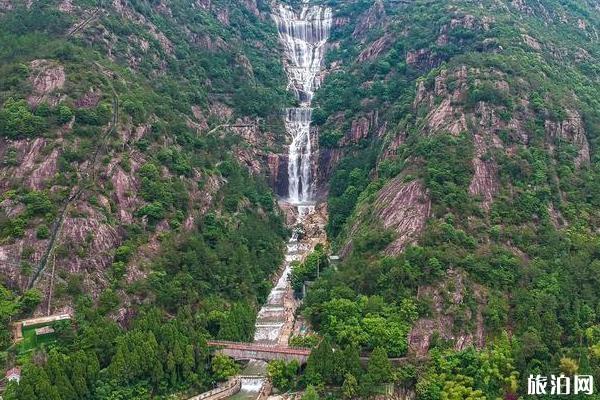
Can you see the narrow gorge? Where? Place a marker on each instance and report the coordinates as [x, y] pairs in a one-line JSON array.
[[298, 199], [303, 37]]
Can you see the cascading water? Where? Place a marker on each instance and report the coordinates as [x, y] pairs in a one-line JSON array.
[[303, 36], [273, 315], [297, 124]]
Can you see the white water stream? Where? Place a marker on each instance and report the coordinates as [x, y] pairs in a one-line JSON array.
[[303, 35], [275, 313]]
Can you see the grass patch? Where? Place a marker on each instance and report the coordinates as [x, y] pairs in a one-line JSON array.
[[31, 340]]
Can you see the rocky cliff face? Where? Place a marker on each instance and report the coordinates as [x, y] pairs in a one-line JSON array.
[[451, 75], [151, 95], [447, 305]]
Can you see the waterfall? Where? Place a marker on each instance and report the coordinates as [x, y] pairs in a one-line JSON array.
[[303, 36], [252, 385]]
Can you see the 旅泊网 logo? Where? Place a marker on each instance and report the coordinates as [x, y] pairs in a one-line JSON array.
[[560, 385]]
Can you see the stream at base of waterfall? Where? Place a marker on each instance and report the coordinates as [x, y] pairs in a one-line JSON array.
[[303, 36], [276, 320]]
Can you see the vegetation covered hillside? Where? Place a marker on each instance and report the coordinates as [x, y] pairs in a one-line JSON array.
[[133, 143], [457, 152], [459, 140]]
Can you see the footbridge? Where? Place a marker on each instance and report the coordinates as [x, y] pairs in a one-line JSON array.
[[250, 351]]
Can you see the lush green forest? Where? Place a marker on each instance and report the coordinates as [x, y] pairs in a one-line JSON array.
[[526, 262], [205, 279], [198, 292], [118, 170]]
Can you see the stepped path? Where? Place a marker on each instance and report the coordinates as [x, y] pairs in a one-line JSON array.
[[275, 320], [303, 36]]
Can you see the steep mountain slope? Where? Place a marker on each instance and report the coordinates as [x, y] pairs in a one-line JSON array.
[[458, 156], [105, 113], [458, 140], [134, 140]]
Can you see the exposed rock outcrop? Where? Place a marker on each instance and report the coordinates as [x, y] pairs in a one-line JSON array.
[[374, 17], [375, 49], [572, 131], [28, 249], [87, 228], [89, 99], [220, 110], [46, 77], [252, 5], [484, 183], [404, 208], [278, 173], [44, 171], [448, 114], [447, 300], [66, 6], [422, 59], [328, 159], [201, 123], [361, 128], [126, 11], [5, 5], [36, 163], [125, 186], [532, 42]]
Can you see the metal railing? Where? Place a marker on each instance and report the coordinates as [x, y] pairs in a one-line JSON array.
[[259, 347]]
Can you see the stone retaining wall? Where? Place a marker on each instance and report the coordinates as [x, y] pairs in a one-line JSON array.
[[222, 392]]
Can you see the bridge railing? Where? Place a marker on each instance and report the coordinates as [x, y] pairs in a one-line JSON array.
[[260, 347]]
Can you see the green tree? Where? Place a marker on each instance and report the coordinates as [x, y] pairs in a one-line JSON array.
[[43, 232], [461, 388], [379, 368], [351, 360], [17, 121], [64, 331], [310, 393], [568, 366], [349, 387], [282, 374], [320, 367], [8, 308], [30, 300], [64, 114], [223, 367], [38, 203]]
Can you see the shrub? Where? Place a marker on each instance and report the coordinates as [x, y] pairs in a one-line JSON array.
[[118, 270], [330, 139], [17, 120], [64, 114], [43, 232], [123, 253], [38, 203], [223, 367], [30, 300], [154, 211], [108, 301]]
